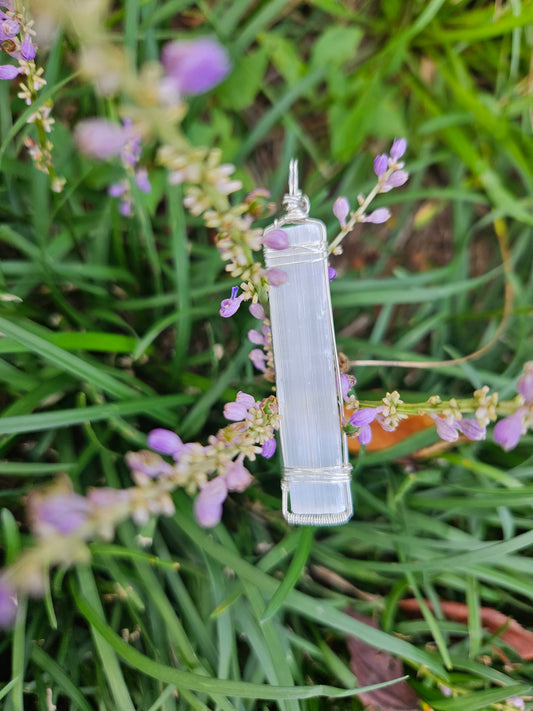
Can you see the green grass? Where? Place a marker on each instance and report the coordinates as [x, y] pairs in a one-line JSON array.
[[116, 331]]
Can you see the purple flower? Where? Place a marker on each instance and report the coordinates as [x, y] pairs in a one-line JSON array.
[[381, 164], [208, 503], [364, 436], [257, 311], [195, 66], [143, 183], [230, 306], [104, 496], [269, 447], [238, 478], [507, 432], [362, 419], [382, 214], [341, 210], [27, 49], [57, 512], [517, 702], [8, 71], [276, 277], [276, 239], [446, 431], [399, 177], [99, 138], [166, 442], [8, 603], [117, 189], [9, 27], [332, 273], [256, 337], [347, 383], [524, 385], [236, 411], [364, 416], [148, 463], [471, 429], [398, 148], [258, 358], [244, 399]]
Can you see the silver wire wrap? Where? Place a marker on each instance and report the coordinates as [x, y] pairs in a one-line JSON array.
[[296, 206]]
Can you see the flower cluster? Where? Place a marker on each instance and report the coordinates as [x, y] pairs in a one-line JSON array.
[[16, 41], [262, 358], [390, 174], [449, 415], [507, 432], [216, 468], [102, 139], [62, 521]]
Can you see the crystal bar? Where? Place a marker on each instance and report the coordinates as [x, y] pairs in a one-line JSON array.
[[316, 483]]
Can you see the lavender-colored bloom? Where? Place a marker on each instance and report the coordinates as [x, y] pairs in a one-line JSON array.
[[258, 358], [99, 138], [244, 399], [364, 416], [8, 603], [382, 214], [143, 183], [238, 478], [125, 208], [399, 177], [276, 277], [347, 383], [208, 503], [9, 28], [341, 210], [8, 71], [524, 385], [195, 66], [507, 432], [165, 442], [276, 239], [230, 306], [446, 431], [364, 436], [102, 497], [445, 690], [148, 463], [516, 701], [255, 337], [257, 311], [269, 447], [117, 189], [235, 411], [398, 148], [27, 49], [57, 512], [332, 273], [471, 428], [381, 164]]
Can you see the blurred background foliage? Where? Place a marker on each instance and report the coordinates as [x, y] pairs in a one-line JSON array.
[[118, 332]]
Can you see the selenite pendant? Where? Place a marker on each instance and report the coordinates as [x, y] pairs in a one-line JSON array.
[[316, 470]]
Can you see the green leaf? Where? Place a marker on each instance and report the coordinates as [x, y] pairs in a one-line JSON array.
[[241, 87], [205, 684], [305, 539], [336, 45]]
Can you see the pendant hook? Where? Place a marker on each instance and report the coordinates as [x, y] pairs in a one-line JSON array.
[[296, 204]]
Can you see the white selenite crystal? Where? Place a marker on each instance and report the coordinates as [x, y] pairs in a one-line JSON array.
[[307, 380]]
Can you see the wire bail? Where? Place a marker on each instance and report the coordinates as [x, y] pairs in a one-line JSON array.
[[296, 204]]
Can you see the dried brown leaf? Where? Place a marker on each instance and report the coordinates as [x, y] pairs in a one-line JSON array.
[[373, 666]]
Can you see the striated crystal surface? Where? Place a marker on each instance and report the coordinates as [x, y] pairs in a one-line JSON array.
[[306, 368]]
